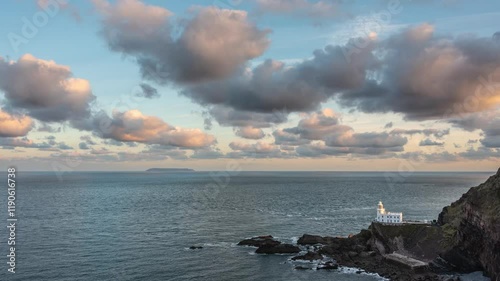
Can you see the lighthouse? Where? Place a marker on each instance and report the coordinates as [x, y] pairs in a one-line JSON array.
[[387, 217]]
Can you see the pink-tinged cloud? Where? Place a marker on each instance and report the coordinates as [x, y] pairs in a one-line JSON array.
[[14, 125], [317, 125], [321, 133], [312, 9], [250, 133], [213, 44], [428, 76], [259, 147], [133, 126], [44, 90], [54, 6]]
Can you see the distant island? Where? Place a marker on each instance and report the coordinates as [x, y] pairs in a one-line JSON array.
[[169, 170]]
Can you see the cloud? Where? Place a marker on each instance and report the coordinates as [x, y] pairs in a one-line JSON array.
[[56, 5], [14, 125], [257, 150], [429, 142], [133, 126], [207, 153], [426, 132], [491, 141], [44, 90], [283, 138], [426, 76], [64, 146], [44, 127], [22, 142], [88, 140], [273, 86], [414, 72], [366, 140], [481, 153], [167, 152], [388, 125], [213, 44], [304, 8], [319, 150], [250, 133], [318, 125], [49, 143], [325, 126], [488, 122], [148, 91], [320, 133], [83, 146], [229, 117]]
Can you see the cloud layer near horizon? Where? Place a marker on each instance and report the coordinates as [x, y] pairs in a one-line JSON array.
[[133, 126]]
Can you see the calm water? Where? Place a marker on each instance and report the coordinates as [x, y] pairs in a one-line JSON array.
[[138, 226]]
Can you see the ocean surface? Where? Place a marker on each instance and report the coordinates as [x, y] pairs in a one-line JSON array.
[[139, 226]]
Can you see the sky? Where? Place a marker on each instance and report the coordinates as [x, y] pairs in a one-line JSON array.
[[330, 85]]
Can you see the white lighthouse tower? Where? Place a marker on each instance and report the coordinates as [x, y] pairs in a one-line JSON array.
[[387, 217], [380, 209]]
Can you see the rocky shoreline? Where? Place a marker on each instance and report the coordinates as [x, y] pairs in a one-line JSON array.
[[466, 238], [331, 253]]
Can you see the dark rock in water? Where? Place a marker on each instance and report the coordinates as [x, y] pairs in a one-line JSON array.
[[309, 256], [278, 249], [471, 230], [329, 265], [300, 267], [307, 239], [259, 241], [196, 247]]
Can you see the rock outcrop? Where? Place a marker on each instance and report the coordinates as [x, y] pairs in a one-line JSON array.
[[307, 239], [309, 256], [267, 245], [471, 229], [278, 249], [259, 241]]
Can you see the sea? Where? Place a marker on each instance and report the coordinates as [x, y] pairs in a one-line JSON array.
[[139, 225]]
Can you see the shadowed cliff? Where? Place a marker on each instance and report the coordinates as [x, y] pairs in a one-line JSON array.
[[471, 230]]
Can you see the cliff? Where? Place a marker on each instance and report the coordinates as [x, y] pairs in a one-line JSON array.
[[471, 230], [419, 241]]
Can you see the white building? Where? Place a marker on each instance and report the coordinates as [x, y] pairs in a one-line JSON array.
[[388, 217]]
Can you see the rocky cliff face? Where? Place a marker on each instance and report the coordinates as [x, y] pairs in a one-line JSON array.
[[471, 230], [419, 241]]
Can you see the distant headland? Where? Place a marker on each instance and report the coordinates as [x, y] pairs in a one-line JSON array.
[[169, 170]]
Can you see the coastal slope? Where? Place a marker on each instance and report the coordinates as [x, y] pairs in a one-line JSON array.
[[471, 229]]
